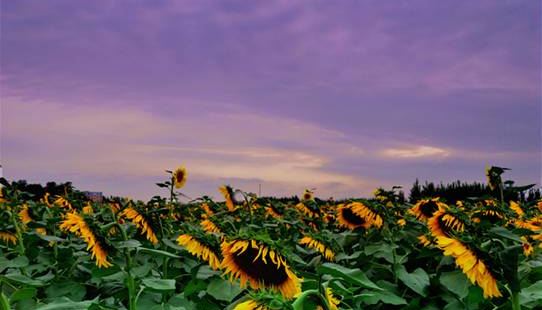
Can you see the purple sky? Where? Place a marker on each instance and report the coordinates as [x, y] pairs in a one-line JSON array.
[[341, 96]]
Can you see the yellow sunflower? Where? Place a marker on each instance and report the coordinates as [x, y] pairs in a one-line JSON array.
[[179, 177], [88, 209], [141, 223], [45, 199], [311, 243], [401, 222], [443, 224], [516, 208], [227, 192], [425, 208], [272, 211], [260, 266], [8, 237], [424, 241], [76, 224], [472, 266], [527, 247], [371, 218], [63, 202], [347, 218], [332, 301], [308, 195], [305, 210], [200, 250], [24, 215], [207, 209], [210, 227], [250, 305]]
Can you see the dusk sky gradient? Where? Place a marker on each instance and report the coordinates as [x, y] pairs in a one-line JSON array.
[[341, 96]]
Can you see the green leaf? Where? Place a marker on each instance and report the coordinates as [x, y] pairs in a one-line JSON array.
[[194, 286], [505, 233], [418, 280], [159, 284], [205, 272], [158, 252], [456, 282], [128, 244], [18, 262], [19, 278], [353, 276], [23, 294], [373, 297], [531, 294], [223, 290], [66, 304], [172, 245], [70, 289], [181, 302]]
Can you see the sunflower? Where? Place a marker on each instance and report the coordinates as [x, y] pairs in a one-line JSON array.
[[45, 199], [227, 192], [207, 209], [424, 241], [443, 223], [516, 208], [425, 208], [76, 224], [401, 222], [308, 195], [319, 246], [250, 305], [24, 214], [272, 211], [471, 265], [179, 177], [63, 202], [371, 218], [306, 210], [88, 209], [141, 223], [200, 250], [348, 219], [490, 213], [8, 237], [260, 266], [527, 247], [210, 227], [2, 199], [332, 301]]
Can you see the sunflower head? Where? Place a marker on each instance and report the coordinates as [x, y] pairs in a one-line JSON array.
[[179, 177], [493, 175], [347, 218], [445, 223], [425, 208], [308, 194], [528, 248], [201, 246], [332, 301], [316, 243], [259, 265], [229, 197]]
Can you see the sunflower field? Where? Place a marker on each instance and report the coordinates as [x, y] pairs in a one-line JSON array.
[[247, 252]]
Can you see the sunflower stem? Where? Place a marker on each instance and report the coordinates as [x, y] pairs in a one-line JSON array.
[[515, 301], [18, 234]]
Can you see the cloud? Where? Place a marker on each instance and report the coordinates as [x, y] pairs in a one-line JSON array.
[[412, 152], [96, 142]]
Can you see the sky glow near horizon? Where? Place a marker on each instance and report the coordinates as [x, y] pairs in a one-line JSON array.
[[341, 97]]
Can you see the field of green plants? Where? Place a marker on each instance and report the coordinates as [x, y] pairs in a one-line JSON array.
[[247, 252]]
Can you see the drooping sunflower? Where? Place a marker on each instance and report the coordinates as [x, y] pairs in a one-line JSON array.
[[332, 301], [76, 224], [208, 211], [307, 211], [63, 202], [425, 208], [24, 215], [228, 194], [88, 209], [348, 219], [251, 305], [370, 216], [527, 247], [209, 226], [517, 208], [489, 211], [141, 223], [272, 211], [45, 199], [260, 266], [179, 177], [200, 250], [319, 246], [444, 223], [471, 264], [8, 237]]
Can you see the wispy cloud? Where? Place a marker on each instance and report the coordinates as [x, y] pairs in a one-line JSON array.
[[421, 151]]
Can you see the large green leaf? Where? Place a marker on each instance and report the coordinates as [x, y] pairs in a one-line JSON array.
[[159, 284], [19, 278], [222, 289], [70, 289], [418, 280], [532, 295], [66, 304], [386, 297], [352, 276], [23, 294], [456, 282]]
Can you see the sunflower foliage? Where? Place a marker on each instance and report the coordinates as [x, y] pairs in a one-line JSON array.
[[239, 251]]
